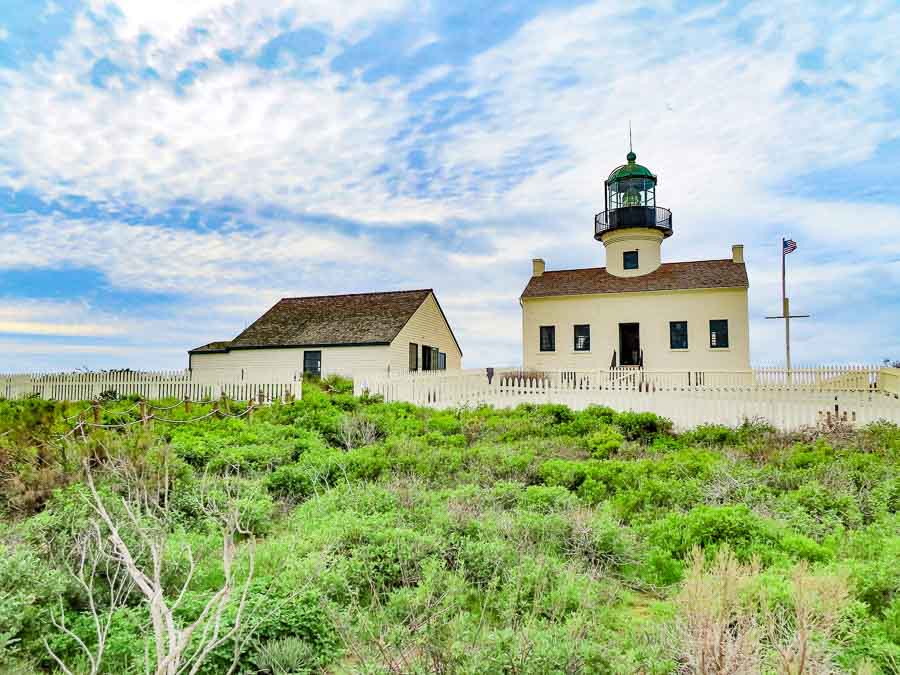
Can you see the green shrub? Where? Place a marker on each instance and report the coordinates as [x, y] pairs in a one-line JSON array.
[[28, 589], [291, 482], [643, 427], [567, 473], [604, 443], [717, 435], [286, 656], [444, 423], [546, 499], [483, 562], [745, 533]]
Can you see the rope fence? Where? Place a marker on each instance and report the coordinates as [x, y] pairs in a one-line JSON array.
[[148, 414]]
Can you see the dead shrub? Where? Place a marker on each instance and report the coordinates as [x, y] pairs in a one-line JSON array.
[[718, 632]]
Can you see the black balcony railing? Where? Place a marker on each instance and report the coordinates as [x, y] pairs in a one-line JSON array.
[[633, 216]]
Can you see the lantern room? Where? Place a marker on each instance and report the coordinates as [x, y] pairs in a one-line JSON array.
[[630, 200]]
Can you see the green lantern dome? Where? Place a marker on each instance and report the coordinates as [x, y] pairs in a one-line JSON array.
[[630, 201], [631, 170]]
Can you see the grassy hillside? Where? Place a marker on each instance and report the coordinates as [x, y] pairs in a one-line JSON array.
[[384, 538]]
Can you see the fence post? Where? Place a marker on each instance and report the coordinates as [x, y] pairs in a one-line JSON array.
[[95, 407], [187, 404], [145, 419]]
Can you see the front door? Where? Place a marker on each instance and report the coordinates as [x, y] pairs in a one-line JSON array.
[[629, 344], [312, 363]]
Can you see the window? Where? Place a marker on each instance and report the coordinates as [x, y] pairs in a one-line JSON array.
[[548, 338], [442, 361], [718, 333], [426, 357], [312, 363], [582, 338], [630, 260], [413, 357], [678, 338], [435, 359]]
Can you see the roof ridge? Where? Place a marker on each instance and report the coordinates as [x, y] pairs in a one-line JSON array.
[[351, 295], [675, 262]]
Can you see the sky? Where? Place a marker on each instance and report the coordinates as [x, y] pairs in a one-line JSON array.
[[170, 169]]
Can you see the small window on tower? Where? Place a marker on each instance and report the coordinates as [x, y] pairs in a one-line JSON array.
[[630, 260]]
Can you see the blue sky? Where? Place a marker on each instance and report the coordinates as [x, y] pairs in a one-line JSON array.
[[168, 170]]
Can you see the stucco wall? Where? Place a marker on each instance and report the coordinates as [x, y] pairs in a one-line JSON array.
[[653, 311], [281, 364], [425, 327], [646, 241]]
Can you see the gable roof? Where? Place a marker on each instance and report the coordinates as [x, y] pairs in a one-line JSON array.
[[333, 320], [667, 277], [220, 346]]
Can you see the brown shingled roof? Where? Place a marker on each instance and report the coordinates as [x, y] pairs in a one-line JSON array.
[[211, 347], [667, 277], [355, 319]]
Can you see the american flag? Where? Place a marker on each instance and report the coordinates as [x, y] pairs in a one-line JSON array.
[[788, 246]]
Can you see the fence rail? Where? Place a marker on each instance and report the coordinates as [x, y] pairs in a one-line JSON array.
[[788, 400], [149, 385]]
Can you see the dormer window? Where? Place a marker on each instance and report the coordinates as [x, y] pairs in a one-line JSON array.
[[630, 260]]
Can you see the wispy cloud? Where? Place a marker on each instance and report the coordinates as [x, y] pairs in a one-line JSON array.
[[224, 153]]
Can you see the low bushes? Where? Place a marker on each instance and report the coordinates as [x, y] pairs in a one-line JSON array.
[[391, 538]]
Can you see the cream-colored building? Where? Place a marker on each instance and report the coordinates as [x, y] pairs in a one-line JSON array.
[[362, 333], [637, 311]]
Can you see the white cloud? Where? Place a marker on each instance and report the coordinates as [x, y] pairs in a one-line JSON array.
[[717, 121], [4, 34], [50, 9]]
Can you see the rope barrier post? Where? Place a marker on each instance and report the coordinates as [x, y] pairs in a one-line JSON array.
[[250, 405], [145, 420], [95, 406], [187, 404], [215, 409], [223, 405]]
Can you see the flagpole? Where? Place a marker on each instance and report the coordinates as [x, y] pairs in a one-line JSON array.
[[785, 310], [787, 246]]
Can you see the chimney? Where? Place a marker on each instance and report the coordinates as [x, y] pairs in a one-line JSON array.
[[737, 253], [537, 267]]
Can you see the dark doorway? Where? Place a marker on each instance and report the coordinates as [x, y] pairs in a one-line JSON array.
[[312, 363], [629, 344]]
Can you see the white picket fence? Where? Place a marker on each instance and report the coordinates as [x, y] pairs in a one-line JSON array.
[[148, 385], [821, 378], [787, 400]]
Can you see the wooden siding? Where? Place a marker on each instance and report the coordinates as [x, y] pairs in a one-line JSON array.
[[283, 362], [427, 326]]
